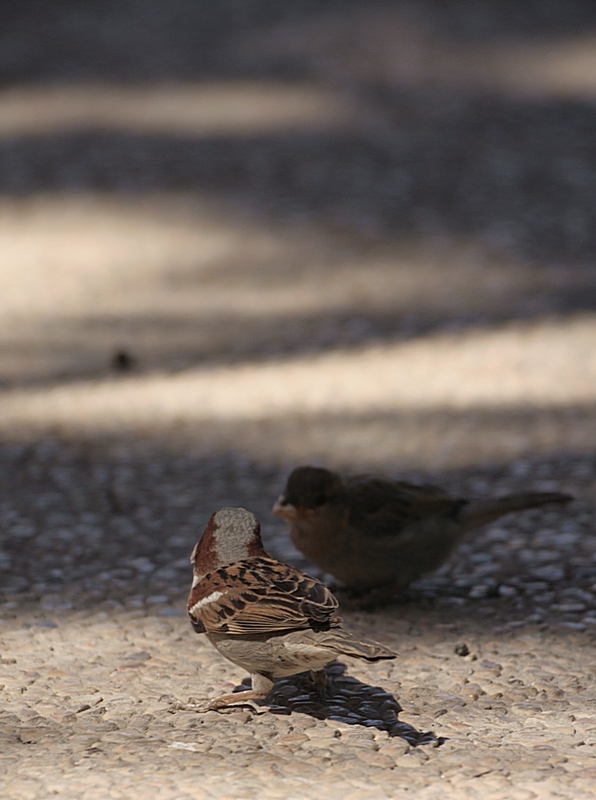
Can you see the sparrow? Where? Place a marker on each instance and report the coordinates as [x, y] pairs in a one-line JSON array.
[[378, 535], [267, 617]]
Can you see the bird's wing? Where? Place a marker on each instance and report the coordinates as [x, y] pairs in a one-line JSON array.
[[260, 595], [386, 507]]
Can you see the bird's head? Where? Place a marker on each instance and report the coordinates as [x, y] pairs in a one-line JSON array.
[[307, 490], [231, 535]]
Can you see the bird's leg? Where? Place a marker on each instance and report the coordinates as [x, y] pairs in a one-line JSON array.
[[319, 679], [261, 687]]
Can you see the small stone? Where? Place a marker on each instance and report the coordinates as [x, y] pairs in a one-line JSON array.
[[488, 667], [170, 612], [293, 738], [377, 759], [526, 707], [359, 739], [142, 564], [534, 586], [156, 599], [336, 721], [395, 747], [569, 608], [551, 573], [189, 746]]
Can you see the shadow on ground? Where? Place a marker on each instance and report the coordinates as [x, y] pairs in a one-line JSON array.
[[348, 700]]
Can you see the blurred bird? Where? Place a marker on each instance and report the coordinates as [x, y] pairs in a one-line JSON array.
[[265, 616], [378, 535]]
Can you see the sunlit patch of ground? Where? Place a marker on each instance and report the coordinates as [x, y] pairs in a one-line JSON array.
[[234, 108], [272, 339]]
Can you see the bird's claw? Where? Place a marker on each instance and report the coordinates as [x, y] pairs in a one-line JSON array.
[[178, 706], [202, 707], [248, 705]]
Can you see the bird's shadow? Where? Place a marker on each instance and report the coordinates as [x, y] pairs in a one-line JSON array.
[[346, 700]]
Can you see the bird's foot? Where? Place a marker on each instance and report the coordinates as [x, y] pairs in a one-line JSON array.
[[320, 683], [192, 705], [227, 703], [228, 708]]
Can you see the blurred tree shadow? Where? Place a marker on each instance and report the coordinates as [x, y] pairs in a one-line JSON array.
[[426, 157], [140, 40]]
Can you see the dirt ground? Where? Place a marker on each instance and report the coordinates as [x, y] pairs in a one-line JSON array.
[[237, 237]]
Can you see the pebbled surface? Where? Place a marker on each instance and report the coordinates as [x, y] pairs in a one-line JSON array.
[[239, 237]]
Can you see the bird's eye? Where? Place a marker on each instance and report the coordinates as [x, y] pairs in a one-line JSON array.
[[320, 500]]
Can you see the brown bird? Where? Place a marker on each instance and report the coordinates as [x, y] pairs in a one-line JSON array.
[[267, 617], [378, 535]]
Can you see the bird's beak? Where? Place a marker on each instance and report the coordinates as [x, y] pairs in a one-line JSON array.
[[282, 508]]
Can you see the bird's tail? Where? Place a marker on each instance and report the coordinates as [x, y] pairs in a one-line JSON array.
[[356, 647], [480, 512]]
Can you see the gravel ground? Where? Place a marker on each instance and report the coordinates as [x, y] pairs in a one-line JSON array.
[[239, 237]]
